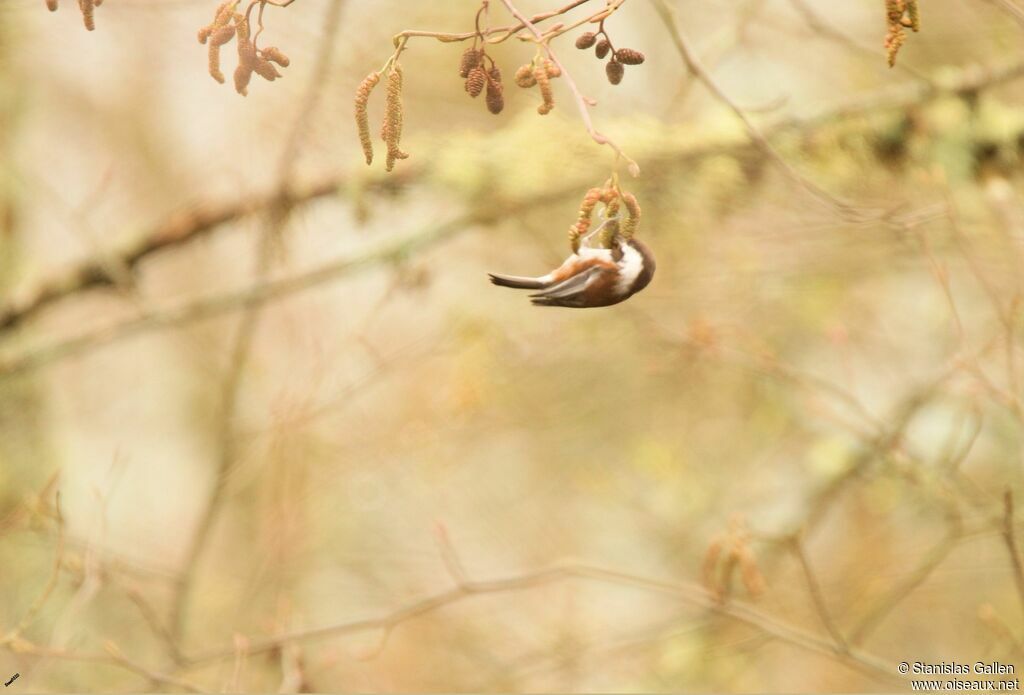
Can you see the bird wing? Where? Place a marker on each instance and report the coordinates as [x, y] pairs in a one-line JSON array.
[[572, 292]]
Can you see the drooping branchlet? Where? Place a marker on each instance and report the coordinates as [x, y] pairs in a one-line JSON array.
[[362, 118]]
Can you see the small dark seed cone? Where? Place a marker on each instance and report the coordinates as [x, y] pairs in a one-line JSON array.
[[615, 70], [495, 91], [628, 56], [602, 48], [586, 40], [475, 81], [470, 59]]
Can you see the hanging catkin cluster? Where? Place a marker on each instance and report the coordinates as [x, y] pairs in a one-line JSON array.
[[480, 78], [615, 68], [612, 198], [900, 15], [86, 7], [538, 73], [726, 553], [391, 127], [229, 24]]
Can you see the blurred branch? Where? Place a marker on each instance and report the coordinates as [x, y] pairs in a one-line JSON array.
[[817, 597], [181, 229], [112, 656], [924, 569], [687, 592], [505, 32], [276, 218], [1011, 8], [1012, 547], [14, 636], [696, 69], [205, 218]]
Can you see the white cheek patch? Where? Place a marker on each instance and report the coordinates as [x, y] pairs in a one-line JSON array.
[[629, 268], [590, 252]]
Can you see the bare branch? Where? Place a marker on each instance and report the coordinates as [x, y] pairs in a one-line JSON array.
[[1012, 547], [688, 593], [581, 101]]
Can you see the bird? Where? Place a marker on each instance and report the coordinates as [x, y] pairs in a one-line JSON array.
[[590, 277]]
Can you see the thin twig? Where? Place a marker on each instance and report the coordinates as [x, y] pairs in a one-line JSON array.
[[32, 613], [1012, 547], [1011, 8], [277, 216], [693, 64], [686, 592], [924, 569], [817, 597], [581, 101]]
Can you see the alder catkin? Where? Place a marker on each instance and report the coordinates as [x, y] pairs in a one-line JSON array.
[[475, 81], [913, 15], [362, 119], [87, 13], [540, 74], [586, 40], [274, 54], [602, 48], [590, 200], [615, 70], [633, 217], [391, 130], [265, 69], [750, 573], [247, 59], [552, 68], [222, 35], [524, 76], [214, 63], [896, 35], [629, 56]]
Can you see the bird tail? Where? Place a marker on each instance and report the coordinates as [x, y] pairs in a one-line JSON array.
[[519, 283]]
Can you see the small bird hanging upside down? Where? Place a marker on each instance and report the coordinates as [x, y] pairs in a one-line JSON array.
[[590, 277]]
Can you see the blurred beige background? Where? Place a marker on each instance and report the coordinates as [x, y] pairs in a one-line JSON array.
[[843, 383]]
